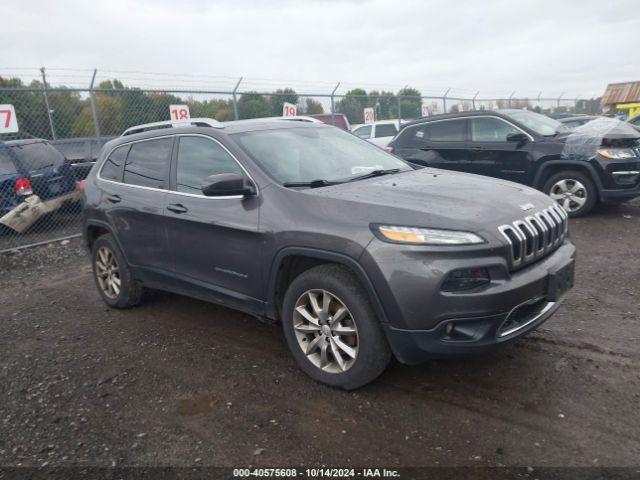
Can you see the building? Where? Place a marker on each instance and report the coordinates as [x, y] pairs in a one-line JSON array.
[[622, 98]]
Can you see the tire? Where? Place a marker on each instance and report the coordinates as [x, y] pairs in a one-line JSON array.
[[105, 251], [357, 329], [572, 190]]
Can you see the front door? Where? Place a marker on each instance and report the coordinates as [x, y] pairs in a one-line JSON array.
[[214, 241], [493, 155]]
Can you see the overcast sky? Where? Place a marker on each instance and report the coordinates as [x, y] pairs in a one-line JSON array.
[[496, 47]]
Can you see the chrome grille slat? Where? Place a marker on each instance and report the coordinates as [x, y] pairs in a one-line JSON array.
[[535, 236]]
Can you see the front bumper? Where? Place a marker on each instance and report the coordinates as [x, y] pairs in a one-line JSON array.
[[420, 328]]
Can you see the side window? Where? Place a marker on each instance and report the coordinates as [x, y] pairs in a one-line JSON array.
[[148, 162], [112, 166], [490, 129], [386, 130], [446, 131], [363, 132], [198, 158]]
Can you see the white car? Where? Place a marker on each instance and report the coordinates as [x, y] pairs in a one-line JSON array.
[[379, 133]]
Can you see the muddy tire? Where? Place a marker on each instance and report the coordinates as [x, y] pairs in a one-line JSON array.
[[332, 329], [112, 275]]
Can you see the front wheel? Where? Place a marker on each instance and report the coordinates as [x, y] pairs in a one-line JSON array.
[[332, 329], [572, 190]]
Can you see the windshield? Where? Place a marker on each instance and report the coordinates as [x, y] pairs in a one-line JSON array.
[[302, 155], [541, 124]]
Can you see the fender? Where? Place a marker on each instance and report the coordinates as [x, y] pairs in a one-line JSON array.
[[566, 163], [102, 224], [334, 257]]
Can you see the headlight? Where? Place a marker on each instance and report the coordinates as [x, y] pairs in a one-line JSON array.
[[617, 153], [428, 236]]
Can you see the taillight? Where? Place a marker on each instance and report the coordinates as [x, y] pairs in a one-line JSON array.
[[23, 186], [389, 149], [80, 185]]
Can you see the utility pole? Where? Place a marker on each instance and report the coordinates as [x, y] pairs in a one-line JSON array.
[[235, 101], [46, 102], [92, 99]]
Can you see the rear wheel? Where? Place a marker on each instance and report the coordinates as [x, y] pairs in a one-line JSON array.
[[572, 190], [331, 328], [112, 274]]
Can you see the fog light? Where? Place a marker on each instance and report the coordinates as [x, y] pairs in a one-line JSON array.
[[448, 329], [466, 279]]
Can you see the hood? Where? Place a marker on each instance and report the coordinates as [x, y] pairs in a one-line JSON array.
[[584, 141], [436, 198]]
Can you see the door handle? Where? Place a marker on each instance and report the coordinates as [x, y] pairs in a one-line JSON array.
[[177, 208], [114, 198]]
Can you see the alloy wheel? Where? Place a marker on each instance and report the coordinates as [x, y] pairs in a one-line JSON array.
[[326, 331], [108, 273], [570, 194]]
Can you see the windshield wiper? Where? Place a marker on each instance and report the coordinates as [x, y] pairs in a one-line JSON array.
[[375, 173], [311, 184]]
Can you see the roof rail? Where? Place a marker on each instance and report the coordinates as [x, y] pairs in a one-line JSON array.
[[196, 122]]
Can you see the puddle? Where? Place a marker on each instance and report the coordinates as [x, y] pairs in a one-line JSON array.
[[197, 405]]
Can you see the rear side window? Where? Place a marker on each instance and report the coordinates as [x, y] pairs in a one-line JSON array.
[[445, 131], [386, 130], [491, 129], [198, 158], [113, 166], [148, 163], [363, 132], [7, 167]]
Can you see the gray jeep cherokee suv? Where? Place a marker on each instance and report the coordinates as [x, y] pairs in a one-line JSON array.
[[359, 255]]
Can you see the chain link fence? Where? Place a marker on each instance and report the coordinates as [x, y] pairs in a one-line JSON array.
[[63, 127]]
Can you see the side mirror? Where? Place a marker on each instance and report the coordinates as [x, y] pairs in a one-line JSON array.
[[226, 185], [517, 137]]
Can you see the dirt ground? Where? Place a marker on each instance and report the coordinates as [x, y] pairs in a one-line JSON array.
[[177, 381]]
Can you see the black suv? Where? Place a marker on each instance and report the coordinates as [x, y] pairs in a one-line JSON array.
[[599, 161], [358, 254]]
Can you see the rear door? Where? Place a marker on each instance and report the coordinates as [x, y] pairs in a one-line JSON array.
[[214, 240], [493, 155], [133, 183], [439, 144], [383, 133]]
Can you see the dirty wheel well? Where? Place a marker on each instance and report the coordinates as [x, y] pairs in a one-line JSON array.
[[552, 170], [93, 232], [290, 268]]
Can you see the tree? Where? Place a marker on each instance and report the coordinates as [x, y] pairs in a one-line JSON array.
[[253, 105], [353, 105], [288, 95], [410, 107], [311, 107], [385, 104]]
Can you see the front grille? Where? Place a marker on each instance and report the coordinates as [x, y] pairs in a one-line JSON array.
[[535, 236]]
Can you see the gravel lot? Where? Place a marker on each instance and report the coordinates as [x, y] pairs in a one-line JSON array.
[[181, 382]]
